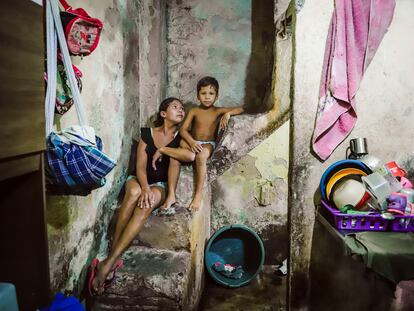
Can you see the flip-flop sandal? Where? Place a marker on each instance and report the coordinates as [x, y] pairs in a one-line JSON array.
[[108, 282], [94, 269]]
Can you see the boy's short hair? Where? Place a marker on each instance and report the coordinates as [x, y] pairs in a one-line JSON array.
[[206, 81]]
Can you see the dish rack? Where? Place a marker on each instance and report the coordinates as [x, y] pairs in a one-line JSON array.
[[369, 222]]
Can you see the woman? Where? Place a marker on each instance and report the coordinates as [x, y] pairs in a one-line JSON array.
[[144, 192]]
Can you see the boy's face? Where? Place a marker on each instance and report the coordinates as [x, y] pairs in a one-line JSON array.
[[207, 96]]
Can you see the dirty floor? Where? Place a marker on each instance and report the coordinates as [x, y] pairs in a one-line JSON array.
[[266, 293]]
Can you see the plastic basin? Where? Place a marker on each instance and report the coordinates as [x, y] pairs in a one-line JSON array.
[[237, 245]]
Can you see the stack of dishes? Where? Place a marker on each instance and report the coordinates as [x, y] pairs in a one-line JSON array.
[[341, 184]]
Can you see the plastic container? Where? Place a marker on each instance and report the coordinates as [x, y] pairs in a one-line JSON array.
[[8, 300], [237, 245], [337, 167], [409, 193], [340, 175], [377, 185], [395, 185], [349, 192], [371, 161]]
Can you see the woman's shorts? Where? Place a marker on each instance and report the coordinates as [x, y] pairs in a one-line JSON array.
[[161, 184]]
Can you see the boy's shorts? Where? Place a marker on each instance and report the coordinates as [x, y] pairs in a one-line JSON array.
[[161, 184], [206, 142]]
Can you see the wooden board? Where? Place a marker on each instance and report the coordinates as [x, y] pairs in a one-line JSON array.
[[23, 239], [19, 166], [21, 78]]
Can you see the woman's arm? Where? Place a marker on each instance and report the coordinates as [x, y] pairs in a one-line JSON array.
[[146, 198], [180, 154]]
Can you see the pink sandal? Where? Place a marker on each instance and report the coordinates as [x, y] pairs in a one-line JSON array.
[[94, 270], [108, 282]]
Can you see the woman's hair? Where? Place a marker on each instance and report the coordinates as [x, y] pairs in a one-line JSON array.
[[159, 120]]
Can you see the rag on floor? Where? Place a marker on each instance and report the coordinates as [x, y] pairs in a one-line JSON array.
[[356, 30]]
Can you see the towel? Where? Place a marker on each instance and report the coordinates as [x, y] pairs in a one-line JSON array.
[[356, 30]]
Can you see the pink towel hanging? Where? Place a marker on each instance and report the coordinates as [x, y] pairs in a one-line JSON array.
[[356, 30]]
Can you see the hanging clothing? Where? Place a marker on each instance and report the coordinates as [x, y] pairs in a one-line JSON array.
[[356, 30]]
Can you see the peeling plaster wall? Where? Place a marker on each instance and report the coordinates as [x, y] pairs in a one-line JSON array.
[[208, 38], [230, 40], [254, 192], [152, 43], [384, 103], [77, 225]]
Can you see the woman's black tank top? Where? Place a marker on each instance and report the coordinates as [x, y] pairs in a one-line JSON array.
[[161, 174]]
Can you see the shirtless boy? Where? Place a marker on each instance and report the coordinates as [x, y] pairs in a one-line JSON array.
[[199, 137]]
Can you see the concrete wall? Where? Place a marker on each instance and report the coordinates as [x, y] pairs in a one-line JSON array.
[[230, 40], [384, 103], [152, 52], [77, 225], [254, 192]]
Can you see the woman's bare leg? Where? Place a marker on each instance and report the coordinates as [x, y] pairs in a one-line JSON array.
[[200, 173], [134, 226], [173, 175], [132, 193]]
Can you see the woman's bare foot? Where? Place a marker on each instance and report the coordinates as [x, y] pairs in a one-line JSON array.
[[102, 271], [195, 203], [170, 200], [111, 276]]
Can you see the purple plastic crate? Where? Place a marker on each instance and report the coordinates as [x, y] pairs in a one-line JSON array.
[[369, 222], [402, 224]]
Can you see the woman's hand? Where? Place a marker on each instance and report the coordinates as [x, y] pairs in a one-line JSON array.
[[196, 147], [146, 199], [224, 121], [157, 157]]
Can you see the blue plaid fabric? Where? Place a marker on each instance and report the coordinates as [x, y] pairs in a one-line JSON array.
[[74, 165]]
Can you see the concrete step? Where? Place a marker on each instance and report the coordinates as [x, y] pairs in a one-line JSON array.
[[169, 230], [165, 264], [151, 279]]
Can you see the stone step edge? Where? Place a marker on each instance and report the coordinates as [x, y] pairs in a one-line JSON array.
[[147, 270]]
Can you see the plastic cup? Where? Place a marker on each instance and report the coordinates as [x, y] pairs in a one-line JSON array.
[[378, 186]]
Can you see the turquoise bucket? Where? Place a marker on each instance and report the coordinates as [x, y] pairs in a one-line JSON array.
[[237, 245]]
